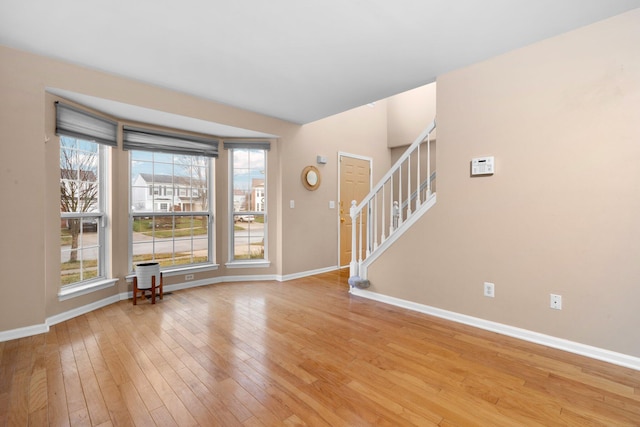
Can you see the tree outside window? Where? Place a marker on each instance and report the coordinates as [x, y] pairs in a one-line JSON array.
[[81, 213], [171, 223]]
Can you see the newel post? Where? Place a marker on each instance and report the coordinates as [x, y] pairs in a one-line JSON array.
[[353, 266]]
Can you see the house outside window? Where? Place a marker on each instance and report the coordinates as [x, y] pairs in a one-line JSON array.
[[248, 202], [82, 215], [85, 138], [171, 224]]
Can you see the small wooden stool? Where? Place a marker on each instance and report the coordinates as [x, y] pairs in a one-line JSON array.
[[153, 289]]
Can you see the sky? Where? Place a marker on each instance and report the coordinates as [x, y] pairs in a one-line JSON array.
[[247, 164]]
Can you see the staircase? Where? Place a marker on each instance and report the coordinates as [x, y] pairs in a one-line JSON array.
[[402, 196]]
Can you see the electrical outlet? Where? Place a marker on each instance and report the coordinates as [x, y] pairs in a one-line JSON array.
[[489, 290], [556, 302], [188, 277]]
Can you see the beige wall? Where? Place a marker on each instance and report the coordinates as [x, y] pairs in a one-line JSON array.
[[560, 215], [22, 165], [409, 113], [310, 230], [300, 240]]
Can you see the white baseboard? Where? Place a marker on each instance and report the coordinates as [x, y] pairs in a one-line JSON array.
[[306, 273], [53, 320], [205, 282], [231, 279], [512, 331], [26, 331], [171, 288], [249, 278]]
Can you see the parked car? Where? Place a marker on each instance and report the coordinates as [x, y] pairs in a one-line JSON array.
[[89, 224], [244, 218]]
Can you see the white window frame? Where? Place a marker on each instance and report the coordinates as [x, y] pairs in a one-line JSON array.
[[243, 263], [84, 286], [196, 267]]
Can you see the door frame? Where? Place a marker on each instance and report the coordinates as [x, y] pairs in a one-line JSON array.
[[353, 156]]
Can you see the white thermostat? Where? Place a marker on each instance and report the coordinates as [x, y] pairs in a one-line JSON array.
[[482, 166]]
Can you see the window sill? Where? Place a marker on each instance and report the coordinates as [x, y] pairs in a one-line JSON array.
[[74, 291], [248, 264], [181, 270]]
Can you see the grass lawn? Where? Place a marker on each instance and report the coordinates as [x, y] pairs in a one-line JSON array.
[[167, 260], [165, 227], [70, 271]]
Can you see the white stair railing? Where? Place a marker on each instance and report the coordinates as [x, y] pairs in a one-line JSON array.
[[398, 196]]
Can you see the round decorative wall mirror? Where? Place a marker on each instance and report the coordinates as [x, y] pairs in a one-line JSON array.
[[311, 178]]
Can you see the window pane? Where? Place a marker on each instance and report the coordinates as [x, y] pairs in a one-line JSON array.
[[171, 240], [191, 240], [67, 142], [249, 203], [248, 180], [163, 158], [164, 186], [248, 236], [79, 183], [153, 239], [80, 247], [81, 243], [142, 239], [140, 156], [87, 146]]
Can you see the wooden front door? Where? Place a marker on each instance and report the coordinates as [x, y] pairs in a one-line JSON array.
[[355, 184]]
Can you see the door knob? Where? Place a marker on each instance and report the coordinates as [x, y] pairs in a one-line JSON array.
[[342, 219]]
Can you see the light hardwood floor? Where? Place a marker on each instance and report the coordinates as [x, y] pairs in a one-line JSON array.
[[301, 352]]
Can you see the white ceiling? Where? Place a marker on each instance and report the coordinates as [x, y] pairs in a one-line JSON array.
[[298, 60]]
